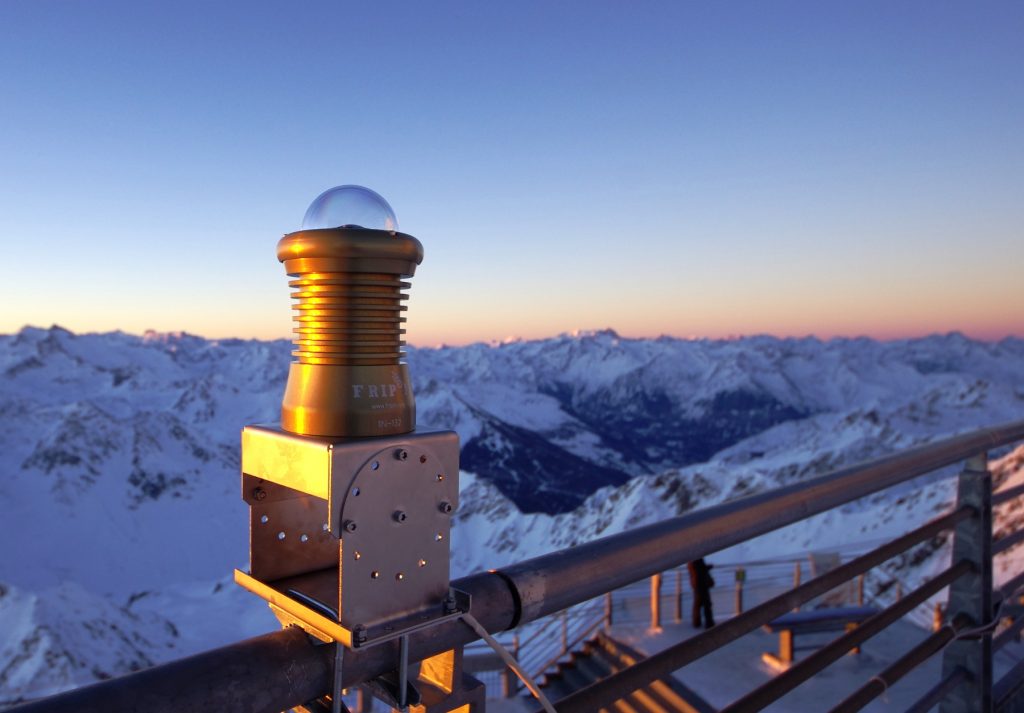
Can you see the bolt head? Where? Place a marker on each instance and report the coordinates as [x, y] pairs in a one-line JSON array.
[[350, 526], [399, 516], [402, 454], [445, 507], [259, 494]]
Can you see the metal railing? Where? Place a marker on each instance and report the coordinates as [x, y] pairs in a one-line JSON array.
[[541, 645], [538, 647], [277, 671]]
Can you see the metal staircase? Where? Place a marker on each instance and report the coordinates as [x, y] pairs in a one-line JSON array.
[[601, 656]]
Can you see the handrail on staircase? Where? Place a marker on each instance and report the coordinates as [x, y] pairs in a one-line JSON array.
[[582, 636]]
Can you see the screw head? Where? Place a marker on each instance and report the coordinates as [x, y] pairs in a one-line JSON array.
[[350, 526], [445, 507], [259, 494], [402, 454], [399, 516]]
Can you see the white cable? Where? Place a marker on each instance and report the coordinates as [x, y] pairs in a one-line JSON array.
[[984, 628], [510, 661]]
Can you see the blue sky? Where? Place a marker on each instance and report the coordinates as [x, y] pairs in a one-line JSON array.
[[705, 169]]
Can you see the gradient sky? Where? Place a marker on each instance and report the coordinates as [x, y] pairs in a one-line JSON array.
[[707, 169]]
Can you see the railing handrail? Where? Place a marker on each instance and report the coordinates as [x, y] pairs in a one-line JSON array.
[[574, 641], [555, 581], [585, 621], [514, 595], [688, 650]]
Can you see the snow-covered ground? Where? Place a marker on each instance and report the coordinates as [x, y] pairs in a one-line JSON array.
[[119, 464]]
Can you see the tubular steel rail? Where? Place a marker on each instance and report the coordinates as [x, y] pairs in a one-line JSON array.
[[277, 671]]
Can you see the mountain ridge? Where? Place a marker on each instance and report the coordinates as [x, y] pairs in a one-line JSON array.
[[119, 455]]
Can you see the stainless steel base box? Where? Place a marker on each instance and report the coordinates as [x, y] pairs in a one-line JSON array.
[[350, 537]]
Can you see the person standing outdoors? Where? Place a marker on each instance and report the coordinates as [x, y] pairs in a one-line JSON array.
[[701, 582]]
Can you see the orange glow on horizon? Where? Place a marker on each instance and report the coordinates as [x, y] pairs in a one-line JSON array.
[[716, 312], [982, 330]]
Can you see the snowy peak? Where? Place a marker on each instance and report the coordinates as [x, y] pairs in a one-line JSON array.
[[64, 636]]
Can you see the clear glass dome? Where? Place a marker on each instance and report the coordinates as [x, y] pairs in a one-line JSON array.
[[350, 207]]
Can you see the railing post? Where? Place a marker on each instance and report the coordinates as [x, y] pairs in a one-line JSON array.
[[508, 677], [796, 580], [656, 602], [679, 596], [860, 590], [972, 593], [565, 631], [741, 577], [609, 611], [1020, 635]]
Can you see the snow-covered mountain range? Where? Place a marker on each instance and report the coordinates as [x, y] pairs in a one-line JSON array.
[[119, 463]]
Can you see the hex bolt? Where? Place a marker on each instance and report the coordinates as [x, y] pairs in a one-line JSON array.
[[445, 507], [399, 516], [350, 526], [259, 494], [360, 633], [402, 454], [449, 604]]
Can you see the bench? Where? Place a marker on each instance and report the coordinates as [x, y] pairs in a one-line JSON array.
[[808, 622]]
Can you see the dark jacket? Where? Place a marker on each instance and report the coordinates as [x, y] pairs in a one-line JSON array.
[[700, 574]]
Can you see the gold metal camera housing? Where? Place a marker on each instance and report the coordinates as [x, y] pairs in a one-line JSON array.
[[348, 379]]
